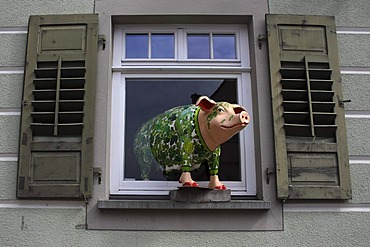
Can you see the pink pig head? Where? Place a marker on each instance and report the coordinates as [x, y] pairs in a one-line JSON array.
[[218, 122]]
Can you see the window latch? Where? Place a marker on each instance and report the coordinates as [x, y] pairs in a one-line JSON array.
[[98, 172], [261, 37], [342, 101], [268, 173]]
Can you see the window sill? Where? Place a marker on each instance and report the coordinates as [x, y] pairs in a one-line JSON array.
[[168, 204]]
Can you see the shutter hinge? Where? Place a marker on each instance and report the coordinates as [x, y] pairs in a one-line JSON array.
[[24, 102], [85, 198], [268, 173], [103, 40], [290, 190], [98, 172], [261, 37], [22, 182]]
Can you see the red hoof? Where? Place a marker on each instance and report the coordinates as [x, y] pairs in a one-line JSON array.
[[190, 184], [220, 187]]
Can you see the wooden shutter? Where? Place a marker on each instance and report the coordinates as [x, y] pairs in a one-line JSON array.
[[309, 125], [55, 150]]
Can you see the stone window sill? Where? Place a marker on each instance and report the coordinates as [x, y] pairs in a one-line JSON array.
[[168, 204]]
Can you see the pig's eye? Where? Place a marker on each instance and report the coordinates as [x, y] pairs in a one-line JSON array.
[[221, 110]]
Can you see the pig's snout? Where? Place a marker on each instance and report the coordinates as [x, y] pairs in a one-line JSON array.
[[244, 117]]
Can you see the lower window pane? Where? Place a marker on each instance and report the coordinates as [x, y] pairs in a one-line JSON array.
[[146, 98], [198, 46]]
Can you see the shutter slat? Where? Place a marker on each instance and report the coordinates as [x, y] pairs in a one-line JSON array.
[[72, 83], [293, 83], [323, 106], [317, 84], [295, 106]]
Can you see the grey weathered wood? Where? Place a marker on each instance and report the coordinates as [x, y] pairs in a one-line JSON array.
[[309, 125], [55, 154]]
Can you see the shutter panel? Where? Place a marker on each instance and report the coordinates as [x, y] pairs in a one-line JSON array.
[[309, 125], [55, 150]]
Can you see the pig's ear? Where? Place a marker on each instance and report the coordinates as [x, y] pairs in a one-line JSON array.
[[238, 109], [205, 103]]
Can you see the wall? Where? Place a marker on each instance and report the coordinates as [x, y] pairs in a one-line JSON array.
[[53, 223]]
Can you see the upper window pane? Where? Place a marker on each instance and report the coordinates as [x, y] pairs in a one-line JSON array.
[[198, 46], [137, 45], [163, 46], [224, 46]]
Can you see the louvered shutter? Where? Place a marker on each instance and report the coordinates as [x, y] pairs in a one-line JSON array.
[[309, 125], [55, 150]]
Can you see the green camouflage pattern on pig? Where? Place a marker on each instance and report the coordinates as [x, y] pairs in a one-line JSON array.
[[173, 139]]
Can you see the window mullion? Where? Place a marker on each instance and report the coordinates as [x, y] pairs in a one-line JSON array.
[[150, 45], [211, 44], [181, 42]]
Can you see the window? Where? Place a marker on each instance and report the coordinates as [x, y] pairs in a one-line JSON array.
[[159, 68]]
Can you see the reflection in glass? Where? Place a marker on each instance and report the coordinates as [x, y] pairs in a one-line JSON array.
[[198, 46], [224, 46], [146, 98], [162, 45], [137, 45]]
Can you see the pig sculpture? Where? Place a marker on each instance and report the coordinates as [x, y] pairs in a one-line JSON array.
[[183, 137]]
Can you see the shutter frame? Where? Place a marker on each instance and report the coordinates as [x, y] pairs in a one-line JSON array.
[[306, 168], [56, 138]]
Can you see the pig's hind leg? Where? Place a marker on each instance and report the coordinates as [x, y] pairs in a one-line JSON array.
[[185, 178]]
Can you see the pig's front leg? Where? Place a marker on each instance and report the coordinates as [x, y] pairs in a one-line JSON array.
[[213, 162], [187, 181], [214, 183]]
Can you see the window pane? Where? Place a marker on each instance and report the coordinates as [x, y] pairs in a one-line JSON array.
[[146, 98], [163, 46], [224, 46], [198, 46], [137, 45]]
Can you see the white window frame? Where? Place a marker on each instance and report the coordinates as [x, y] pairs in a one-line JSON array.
[[179, 67]]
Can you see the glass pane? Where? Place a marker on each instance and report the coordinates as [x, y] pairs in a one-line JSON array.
[[198, 46], [224, 46], [137, 45], [146, 98], [163, 46]]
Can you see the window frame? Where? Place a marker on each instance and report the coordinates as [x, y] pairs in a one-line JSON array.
[[190, 68], [265, 213]]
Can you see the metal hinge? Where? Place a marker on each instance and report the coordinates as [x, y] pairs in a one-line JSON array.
[[24, 102], [98, 172], [103, 40], [268, 173], [261, 37], [290, 190]]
